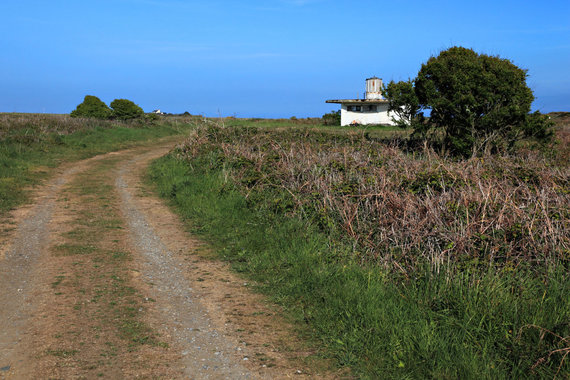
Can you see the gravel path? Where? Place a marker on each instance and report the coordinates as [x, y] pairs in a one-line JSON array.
[[206, 353]]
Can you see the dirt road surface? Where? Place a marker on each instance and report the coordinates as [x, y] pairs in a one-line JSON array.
[[99, 279]]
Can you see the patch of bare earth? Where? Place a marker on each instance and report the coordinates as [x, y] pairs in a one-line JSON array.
[[108, 285]]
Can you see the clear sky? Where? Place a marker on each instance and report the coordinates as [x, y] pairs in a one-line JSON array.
[[260, 58]]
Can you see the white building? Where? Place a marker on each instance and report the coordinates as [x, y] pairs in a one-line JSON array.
[[373, 109]]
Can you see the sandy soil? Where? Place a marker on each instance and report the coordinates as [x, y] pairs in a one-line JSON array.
[[100, 280]]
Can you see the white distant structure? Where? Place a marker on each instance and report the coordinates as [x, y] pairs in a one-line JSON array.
[[373, 109]]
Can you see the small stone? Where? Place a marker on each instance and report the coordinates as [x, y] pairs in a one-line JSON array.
[[246, 358], [298, 372]]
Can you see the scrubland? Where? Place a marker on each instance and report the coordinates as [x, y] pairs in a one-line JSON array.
[[402, 263]]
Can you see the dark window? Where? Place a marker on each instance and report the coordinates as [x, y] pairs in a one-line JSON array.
[[372, 108], [354, 108]]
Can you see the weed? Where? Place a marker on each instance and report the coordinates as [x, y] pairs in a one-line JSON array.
[[58, 280], [61, 353], [74, 249]]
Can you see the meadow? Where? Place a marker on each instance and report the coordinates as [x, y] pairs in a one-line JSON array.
[[402, 263], [32, 145]]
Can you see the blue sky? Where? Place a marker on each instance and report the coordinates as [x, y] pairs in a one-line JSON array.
[[272, 58]]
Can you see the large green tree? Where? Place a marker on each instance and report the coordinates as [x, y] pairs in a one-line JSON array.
[[125, 109], [476, 103], [92, 106]]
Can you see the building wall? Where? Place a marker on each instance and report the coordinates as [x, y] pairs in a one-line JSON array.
[[380, 116]]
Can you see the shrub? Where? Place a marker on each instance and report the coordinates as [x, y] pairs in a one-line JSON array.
[[124, 109], [332, 118], [477, 103], [152, 117], [92, 106]]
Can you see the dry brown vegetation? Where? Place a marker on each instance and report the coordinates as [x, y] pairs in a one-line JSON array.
[[401, 208]]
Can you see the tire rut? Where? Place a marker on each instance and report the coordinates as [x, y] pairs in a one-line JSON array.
[[20, 270], [206, 353]]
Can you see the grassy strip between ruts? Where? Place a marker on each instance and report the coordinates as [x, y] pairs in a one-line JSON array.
[[493, 323], [31, 144], [97, 311]]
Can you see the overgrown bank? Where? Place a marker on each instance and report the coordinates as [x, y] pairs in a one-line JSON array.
[[31, 144], [404, 265]]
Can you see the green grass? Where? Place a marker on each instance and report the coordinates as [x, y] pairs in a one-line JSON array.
[[496, 323], [27, 154]]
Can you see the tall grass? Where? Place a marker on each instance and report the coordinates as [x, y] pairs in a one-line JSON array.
[[405, 265], [399, 209]]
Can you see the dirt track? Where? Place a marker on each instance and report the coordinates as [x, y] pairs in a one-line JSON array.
[[99, 280]]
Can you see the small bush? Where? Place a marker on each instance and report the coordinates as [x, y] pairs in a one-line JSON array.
[[331, 118], [124, 109], [152, 117]]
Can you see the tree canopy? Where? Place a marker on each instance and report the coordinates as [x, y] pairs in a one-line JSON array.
[[476, 103]]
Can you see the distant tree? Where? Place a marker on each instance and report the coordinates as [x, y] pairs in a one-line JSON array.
[[331, 118], [92, 106], [477, 103], [124, 109]]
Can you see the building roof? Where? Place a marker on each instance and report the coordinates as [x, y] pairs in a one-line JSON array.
[[357, 101]]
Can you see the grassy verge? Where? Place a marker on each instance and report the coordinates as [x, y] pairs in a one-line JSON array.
[[31, 144], [404, 266]]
